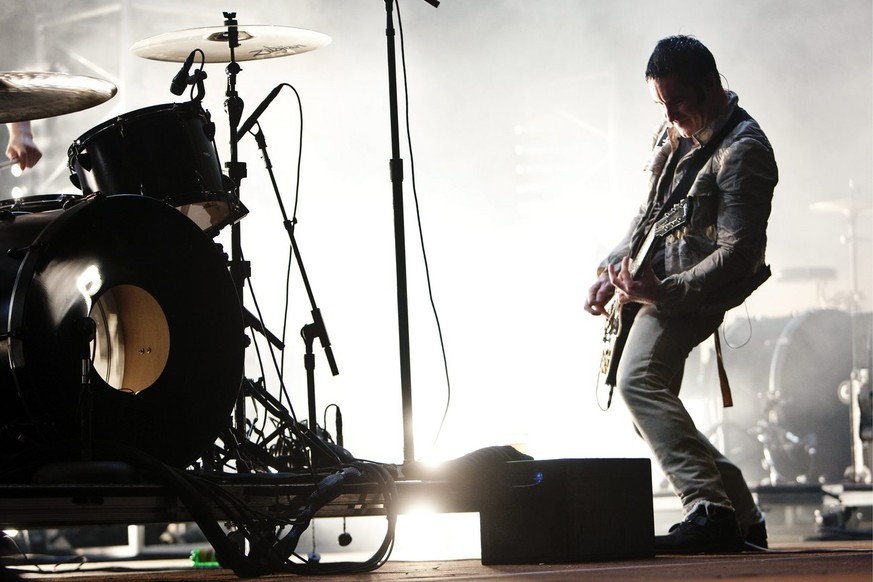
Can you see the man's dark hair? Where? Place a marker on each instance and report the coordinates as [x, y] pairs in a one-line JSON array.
[[683, 56]]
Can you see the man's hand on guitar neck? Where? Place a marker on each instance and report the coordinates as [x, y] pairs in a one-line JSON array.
[[642, 289]]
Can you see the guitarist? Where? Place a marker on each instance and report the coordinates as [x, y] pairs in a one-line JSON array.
[[709, 265]]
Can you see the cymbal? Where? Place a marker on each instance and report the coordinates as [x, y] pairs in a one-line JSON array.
[[255, 42], [848, 206], [25, 96]]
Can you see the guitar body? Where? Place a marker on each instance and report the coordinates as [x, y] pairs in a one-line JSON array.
[[620, 317], [615, 337]]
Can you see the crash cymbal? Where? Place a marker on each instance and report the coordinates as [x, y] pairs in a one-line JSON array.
[[255, 42], [25, 96], [848, 206]]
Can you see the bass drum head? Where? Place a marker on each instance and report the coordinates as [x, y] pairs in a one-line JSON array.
[[786, 376], [168, 348], [812, 358]]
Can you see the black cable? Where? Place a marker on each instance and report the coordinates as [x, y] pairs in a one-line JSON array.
[[389, 492]]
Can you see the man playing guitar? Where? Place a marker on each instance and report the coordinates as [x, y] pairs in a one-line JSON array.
[[715, 158]]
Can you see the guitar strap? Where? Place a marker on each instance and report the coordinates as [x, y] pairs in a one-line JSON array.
[[681, 191], [726, 398], [696, 164], [699, 159]]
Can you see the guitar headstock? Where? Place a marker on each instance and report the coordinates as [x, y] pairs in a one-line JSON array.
[[673, 218]]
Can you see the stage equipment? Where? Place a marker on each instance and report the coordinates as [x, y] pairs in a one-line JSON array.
[[253, 42], [229, 44], [168, 344], [164, 152], [26, 95], [395, 166], [316, 329], [790, 425], [567, 510], [857, 389]]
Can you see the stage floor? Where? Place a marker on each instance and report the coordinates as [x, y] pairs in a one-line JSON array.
[[839, 561]]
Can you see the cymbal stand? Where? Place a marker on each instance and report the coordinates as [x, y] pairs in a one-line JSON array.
[[859, 379], [239, 268]]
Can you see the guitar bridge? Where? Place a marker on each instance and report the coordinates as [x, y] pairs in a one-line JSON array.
[[605, 360]]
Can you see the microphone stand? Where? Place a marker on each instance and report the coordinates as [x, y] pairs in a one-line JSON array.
[[316, 329], [396, 170]]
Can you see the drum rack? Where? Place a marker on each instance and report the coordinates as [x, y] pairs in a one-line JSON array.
[[63, 505]]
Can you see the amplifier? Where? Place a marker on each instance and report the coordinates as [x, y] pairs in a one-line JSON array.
[[567, 510]]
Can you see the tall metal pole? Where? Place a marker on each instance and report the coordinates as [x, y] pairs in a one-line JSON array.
[[396, 169]]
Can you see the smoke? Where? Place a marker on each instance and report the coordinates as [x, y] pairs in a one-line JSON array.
[[530, 124]]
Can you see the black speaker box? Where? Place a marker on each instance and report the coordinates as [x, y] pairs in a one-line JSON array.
[[568, 510]]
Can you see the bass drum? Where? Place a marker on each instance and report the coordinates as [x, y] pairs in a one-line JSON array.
[[786, 383], [168, 348]]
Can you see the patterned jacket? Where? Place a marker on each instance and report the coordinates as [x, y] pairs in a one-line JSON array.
[[716, 260]]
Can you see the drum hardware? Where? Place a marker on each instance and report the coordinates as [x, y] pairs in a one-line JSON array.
[[182, 79], [229, 44], [858, 382], [787, 425], [779, 443], [855, 392], [25, 96], [255, 323], [18, 253], [87, 332]]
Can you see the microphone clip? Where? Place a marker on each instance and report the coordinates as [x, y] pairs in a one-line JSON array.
[[183, 79]]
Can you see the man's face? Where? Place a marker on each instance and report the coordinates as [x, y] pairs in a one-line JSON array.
[[682, 104]]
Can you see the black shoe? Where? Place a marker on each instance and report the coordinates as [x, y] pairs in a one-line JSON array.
[[756, 536], [706, 530]]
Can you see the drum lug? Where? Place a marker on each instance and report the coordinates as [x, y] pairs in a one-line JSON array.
[[16, 334], [21, 252]]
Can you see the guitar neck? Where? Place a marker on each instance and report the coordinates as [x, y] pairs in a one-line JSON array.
[[672, 219], [639, 259]]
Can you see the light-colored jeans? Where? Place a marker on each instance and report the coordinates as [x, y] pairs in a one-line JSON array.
[[649, 378]]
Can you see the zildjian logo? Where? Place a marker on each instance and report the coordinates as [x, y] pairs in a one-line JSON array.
[[272, 50]]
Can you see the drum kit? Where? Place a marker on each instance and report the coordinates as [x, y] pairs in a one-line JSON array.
[[810, 374], [121, 317]]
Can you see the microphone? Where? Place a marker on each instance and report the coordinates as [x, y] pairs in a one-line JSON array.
[[250, 122], [180, 81]]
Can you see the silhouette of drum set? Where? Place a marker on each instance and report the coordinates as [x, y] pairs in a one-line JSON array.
[[121, 319]]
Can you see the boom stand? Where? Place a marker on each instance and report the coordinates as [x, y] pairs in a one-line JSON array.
[[316, 329]]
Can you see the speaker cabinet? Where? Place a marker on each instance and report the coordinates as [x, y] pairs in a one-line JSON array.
[[568, 510]]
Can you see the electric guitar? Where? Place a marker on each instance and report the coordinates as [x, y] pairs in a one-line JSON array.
[[620, 317]]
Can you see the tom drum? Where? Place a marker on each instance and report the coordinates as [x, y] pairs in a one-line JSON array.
[[164, 152]]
